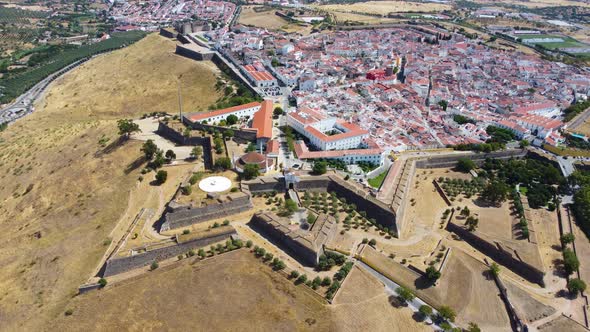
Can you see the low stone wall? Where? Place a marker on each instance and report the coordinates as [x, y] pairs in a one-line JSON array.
[[494, 251], [478, 158], [264, 184], [165, 131], [87, 288], [178, 216], [123, 264], [374, 208], [244, 134]]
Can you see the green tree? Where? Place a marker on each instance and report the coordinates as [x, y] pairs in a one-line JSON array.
[[465, 165], [202, 253], [223, 163], [278, 111], [570, 261], [447, 313], [196, 152], [170, 155], [425, 311], [251, 171], [228, 134], [524, 143], [567, 238], [149, 149], [320, 167], [231, 119], [471, 223], [127, 127], [432, 273], [161, 176], [495, 192], [288, 208], [404, 294], [102, 282], [444, 104], [576, 285]]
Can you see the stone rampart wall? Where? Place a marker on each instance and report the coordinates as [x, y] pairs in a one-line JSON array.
[[193, 54], [501, 256], [304, 254], [478, 158], [186, 215], [165, 131], [123, 264]]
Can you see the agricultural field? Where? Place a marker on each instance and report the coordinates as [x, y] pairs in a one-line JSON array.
[[62, 192], [15, 84], [18, 28], [566, 43], [385, 7]]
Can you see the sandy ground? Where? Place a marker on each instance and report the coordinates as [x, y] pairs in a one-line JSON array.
[[363, 305], [562, 324], [148, 127], [62, 192], [234, 291]]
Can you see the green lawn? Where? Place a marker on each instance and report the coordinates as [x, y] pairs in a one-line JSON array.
[[378, 180]]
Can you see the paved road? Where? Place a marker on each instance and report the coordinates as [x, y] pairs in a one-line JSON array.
[[579, 120], [566, 165]]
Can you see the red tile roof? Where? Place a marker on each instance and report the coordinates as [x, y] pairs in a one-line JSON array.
[[262, 121], [202, 116], [303, 152]]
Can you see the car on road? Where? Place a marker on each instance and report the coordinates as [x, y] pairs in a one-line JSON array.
[[296, 165]]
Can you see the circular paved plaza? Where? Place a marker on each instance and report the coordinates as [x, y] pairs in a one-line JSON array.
[[215, 184]]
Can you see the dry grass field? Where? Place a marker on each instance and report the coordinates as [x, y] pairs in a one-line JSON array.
[[538, 3], [363, 298], [267, 19], [476, 300], [60, 193], [342, 16], [386, 7], [264, 19], [227, 293]]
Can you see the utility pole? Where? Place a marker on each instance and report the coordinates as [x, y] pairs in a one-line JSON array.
[[179, 101]]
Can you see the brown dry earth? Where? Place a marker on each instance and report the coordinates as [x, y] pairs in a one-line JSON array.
[[61, 193]]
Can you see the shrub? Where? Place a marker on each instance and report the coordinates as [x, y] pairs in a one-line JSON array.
[[154, 265], [102, 282], [373, 242], [294, 274], [301, 279], [69, 312], [186, 231], [567, 238], [570, 261], [161, 176], [576, 285], [249, 243], [425, 310], [225, 222], [447, 313], [404, 294]]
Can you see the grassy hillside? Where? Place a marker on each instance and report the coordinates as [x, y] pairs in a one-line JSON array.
[[60, 193]]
